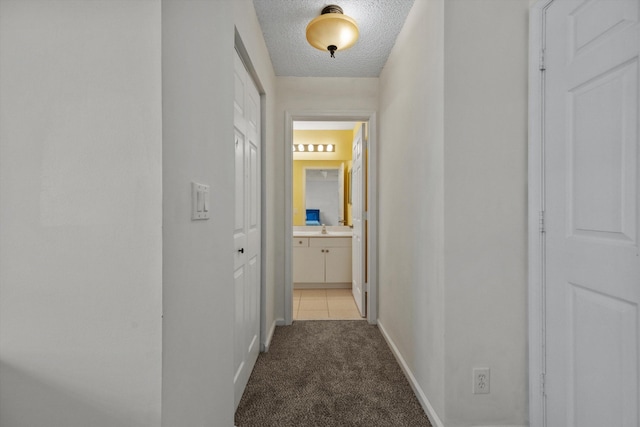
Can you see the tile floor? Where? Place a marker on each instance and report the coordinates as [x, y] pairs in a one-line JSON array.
[[324, 304]]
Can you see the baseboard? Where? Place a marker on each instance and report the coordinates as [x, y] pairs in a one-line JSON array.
[[322, 285], [422, 398], [267, 343]]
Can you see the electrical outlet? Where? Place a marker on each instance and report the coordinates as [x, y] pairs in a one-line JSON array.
[[481, 377]]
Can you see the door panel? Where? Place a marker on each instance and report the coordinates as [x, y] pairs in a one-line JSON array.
[[357, 187], [592, 275], [247, 227]]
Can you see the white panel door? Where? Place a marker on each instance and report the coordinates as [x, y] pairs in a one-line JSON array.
[[247, 228], [592, 276], [341, 195], [357, 200]]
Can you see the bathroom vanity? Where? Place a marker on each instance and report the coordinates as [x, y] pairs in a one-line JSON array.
[[322, 260]]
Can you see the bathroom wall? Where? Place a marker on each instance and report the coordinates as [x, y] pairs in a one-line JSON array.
[[299, 187], [340, 139], [81, 213]]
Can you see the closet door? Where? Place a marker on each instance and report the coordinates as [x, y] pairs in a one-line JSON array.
[[247, 227], [592, 182]]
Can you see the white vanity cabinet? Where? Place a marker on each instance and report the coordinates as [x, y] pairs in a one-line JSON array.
[[322, 260]]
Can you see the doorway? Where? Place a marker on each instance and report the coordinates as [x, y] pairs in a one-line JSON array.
[[369, 217]]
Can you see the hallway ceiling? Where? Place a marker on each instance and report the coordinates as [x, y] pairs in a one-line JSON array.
[[284, 23]]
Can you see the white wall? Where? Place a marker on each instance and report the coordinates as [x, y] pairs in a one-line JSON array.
[[486, 57], [80, 213], [456, 299], [197, 84], [310, 94], [197, 74], [411, 179]]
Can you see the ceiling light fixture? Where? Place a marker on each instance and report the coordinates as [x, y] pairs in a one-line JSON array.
[[332, 30]]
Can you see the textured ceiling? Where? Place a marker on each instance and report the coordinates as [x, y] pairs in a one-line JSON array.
[[284, 23]]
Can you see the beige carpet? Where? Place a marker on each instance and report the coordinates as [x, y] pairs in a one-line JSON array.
[[328, 373]]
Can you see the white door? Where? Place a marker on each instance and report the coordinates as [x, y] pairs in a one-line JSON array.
[[592, 276], [247, 227], [341, 195], [357, 200]]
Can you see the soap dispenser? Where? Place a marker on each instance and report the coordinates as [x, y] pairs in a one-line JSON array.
[[324, 229]]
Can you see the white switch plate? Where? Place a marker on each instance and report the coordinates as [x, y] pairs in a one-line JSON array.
[[200, 204]]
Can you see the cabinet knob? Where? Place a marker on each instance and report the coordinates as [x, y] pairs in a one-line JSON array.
[[327, 250], [300, 242]]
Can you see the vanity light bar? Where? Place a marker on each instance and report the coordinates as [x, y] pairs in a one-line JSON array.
[[323, 148]]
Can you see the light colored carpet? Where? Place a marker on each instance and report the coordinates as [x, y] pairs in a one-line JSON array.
[[329, 373]]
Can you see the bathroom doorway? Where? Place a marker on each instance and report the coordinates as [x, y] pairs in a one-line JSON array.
[[323, 269]]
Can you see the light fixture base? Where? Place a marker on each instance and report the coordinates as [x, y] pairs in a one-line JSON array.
[[332, 8]]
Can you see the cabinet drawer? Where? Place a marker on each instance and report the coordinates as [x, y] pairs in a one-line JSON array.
[[300, 242], [330, 242]]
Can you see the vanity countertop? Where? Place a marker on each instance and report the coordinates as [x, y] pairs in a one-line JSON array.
[[319, 234]]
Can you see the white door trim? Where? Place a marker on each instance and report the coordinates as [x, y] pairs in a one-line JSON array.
[[266, 331], [536, 304], [372, 169]]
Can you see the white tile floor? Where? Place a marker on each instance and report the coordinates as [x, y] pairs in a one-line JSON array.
[[324, 304]]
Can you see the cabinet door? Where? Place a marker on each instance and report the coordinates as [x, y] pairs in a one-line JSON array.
[[308, 265], [338, 265]]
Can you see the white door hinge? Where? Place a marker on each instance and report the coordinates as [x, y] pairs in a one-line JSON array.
[[542, 64], [366, 287], [542, 383], [365, 216], [541, 222]]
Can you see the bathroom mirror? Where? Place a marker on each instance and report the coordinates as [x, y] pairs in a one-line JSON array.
[[324, 196]]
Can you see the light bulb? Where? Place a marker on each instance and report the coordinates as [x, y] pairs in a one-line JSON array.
[[300, 147], [310, 147], [320, 147], [330, 147]]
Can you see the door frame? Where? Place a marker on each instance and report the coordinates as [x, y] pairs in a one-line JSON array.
[[536, 202], [372, 214], [253, 74]]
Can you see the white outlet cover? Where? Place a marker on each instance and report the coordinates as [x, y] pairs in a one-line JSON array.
[[481, 380]]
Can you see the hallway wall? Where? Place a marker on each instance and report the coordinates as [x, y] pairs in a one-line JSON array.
[[80, 213], [198, 94], [453, 278], [297, 94], [411, 245], [197, 87], [486, 78]]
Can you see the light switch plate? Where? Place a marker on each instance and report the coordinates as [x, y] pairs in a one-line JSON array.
[[200, 201]]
